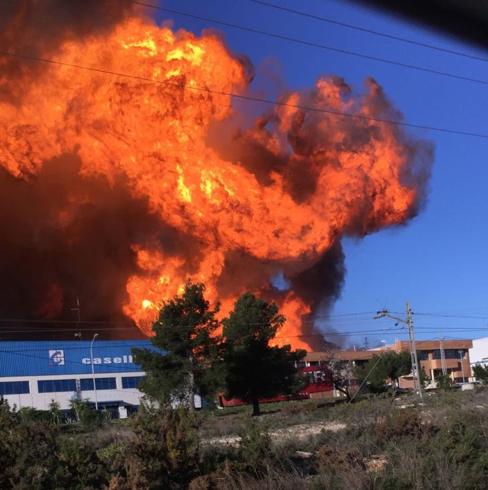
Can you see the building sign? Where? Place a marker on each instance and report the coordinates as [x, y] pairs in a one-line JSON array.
[[124, 359], [56, 357]]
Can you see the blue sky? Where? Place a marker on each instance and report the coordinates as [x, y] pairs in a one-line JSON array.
[[437, 262]]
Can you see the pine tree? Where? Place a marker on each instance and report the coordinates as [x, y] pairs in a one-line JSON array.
[[185, 361], [253, 368]]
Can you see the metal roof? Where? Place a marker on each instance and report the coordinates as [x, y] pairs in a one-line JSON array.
[[68, 357]]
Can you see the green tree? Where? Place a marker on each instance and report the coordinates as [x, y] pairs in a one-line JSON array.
[[424, 379], [186, 360], [87, 416], [342, 374], [55, 412], [444, 382], [253, 368], [389, 365], [396, 364], [481, 373]]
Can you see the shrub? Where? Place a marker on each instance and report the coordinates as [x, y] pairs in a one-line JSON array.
[[401, 423], [86, 415], [81, 462], [255, 448], [164, 450], [36, 453]]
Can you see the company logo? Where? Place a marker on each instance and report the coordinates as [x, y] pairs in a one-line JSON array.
[[56, 357], [125, 359]]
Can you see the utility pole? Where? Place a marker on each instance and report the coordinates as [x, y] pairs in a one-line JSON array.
[[461, 354], [443, 357], [408, 321], [77, 309], [93, 371], [413, 352]]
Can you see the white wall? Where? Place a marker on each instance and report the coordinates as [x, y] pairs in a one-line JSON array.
[[41, 401], [478, 354]]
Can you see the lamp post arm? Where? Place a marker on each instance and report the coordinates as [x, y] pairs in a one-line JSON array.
[[396, 318]]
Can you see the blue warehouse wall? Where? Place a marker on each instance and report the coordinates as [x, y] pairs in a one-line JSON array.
[[40, 358]]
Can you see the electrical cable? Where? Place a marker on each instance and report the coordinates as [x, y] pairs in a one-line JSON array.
[[250, 98], [447, 315], [311, 44], [369, 31]]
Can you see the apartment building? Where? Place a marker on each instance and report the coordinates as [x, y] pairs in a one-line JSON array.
[[435, 358], [440, 356]]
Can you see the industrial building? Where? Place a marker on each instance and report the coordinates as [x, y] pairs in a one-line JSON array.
[[35, 373]]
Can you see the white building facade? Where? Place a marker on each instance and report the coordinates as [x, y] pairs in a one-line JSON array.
[[479, 352], [36, 373]]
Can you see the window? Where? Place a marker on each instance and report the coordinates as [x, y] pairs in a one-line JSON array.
[[449, 354], [131, 381], [14, 387], [86, 384], [105, 383], [100, 383], [423, 355], [56, 385], [454, 353]]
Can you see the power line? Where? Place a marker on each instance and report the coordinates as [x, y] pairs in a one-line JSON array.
[[369, 31], [77, 347], [423, 328], [75, 322], [324, 335], [111, 326], [127, 325], [303, 42], [249, 98], [115, 329], [463, 329], [68, 330], [447, 315]]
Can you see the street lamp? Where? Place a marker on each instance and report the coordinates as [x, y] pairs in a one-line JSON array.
[[93, 370], [462, 365]]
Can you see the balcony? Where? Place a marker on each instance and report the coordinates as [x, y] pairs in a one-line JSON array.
[[438, 364]]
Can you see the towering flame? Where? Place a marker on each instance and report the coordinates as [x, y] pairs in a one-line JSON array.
[[119, 189]]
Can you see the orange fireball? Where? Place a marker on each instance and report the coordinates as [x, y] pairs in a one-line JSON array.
[[277, 196]]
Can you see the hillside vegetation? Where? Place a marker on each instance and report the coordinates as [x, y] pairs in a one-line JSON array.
[[375, 443]]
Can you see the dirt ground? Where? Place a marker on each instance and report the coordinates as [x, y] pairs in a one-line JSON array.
[[298, 431]]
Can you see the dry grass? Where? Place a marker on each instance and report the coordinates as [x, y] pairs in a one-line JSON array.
[[377, 443]]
